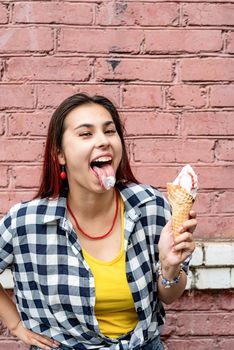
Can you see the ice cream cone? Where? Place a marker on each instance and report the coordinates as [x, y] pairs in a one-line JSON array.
[[181, 203]]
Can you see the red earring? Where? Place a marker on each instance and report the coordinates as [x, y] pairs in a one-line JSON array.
[[63, 174]]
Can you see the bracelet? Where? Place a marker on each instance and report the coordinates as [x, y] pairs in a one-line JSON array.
[[167, 283]]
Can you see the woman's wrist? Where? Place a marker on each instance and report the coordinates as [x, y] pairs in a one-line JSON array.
[[169, 271], [166, 280], [12, 327]]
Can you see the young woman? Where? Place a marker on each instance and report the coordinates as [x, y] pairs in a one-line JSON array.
[[90, 256]]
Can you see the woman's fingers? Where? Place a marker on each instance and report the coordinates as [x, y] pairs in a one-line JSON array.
[[192, 214], [41, 342], [189, 225], [35, 339], [184, 242], [185, 236], [186, 246]]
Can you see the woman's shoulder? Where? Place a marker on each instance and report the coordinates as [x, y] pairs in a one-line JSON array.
[[36, 207], [142, 193], [140, 189]]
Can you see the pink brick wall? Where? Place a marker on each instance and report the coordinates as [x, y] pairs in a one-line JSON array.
[[169, 67]]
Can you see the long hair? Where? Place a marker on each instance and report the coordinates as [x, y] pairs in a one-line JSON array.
[[51, 184]]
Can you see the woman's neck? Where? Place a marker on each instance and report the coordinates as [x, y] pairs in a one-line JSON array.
[[91, 204]]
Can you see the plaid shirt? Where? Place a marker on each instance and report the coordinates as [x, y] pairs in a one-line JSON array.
[[54, 286]]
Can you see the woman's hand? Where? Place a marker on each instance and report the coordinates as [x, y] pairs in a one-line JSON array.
[[31, 338], [174, 252]]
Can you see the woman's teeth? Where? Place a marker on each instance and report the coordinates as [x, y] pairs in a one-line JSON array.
[[103, 159]]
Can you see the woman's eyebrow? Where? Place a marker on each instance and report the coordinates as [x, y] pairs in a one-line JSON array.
[[83, 126], [87, 125]]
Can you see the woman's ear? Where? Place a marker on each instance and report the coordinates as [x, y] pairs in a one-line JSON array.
[[61, 157]]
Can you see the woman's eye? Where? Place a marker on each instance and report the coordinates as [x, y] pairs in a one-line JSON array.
[[86, 133], [110, 131]]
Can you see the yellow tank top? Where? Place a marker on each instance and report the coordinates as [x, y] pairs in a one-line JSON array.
[[114, 307]]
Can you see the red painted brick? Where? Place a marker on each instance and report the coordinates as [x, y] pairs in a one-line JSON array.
[[224, 150], [207, 69], [196, 300], [225, 202], [150, 123], [222, 96], [46, 12], [32, 124], [173, 151], [204, 324], [26, 176], [3, 177], [170, 328], [188, 96], [157, 176], [100, 40], [230, 42], [182, 40], [209, 177], [216, 177], [3, 329], [11, 345], [204, 203], [2, 124], [226, 343], [208, 14], [26, 39], [138, 96], [3, 14], [208, 123], [216, 226], [30, 150], [137, 13], [129, 69], [51, 95], [226, 300], [16, 96], [190, 343], [48, 68], [11, 197]]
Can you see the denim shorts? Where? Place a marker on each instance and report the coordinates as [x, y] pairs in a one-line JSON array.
[[154, 344]]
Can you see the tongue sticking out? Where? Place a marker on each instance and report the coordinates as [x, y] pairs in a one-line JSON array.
[[105, 175]]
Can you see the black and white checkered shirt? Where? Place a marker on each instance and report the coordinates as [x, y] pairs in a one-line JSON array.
[[54, 286]]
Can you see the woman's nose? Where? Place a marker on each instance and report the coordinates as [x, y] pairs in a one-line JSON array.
[[102, 140]]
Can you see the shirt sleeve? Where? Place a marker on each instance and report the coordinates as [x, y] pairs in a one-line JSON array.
[[6, 246]]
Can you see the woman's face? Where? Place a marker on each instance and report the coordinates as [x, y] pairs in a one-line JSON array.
[[89, 134]]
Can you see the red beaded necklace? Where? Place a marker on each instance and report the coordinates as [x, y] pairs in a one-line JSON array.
[[105, 234]]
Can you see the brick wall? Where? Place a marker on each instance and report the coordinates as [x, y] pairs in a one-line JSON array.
[[169, 68]]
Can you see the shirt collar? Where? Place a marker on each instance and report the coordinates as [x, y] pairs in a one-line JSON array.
[[133, 195], [53, 209]]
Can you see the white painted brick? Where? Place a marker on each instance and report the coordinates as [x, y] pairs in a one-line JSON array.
[[213, 278], [197, 257], [219, 254], [232, 278], [6, 279], [189, 280]]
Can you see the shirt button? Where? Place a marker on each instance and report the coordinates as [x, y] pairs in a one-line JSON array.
[[129, 277], [139, 309]]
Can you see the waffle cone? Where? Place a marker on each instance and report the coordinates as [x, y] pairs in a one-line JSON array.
[[181, 203]]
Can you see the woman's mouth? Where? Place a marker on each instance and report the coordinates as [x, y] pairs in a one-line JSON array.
[[103, 170], [101, 162]]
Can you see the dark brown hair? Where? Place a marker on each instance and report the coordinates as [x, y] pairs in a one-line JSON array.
[[51, 185]]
